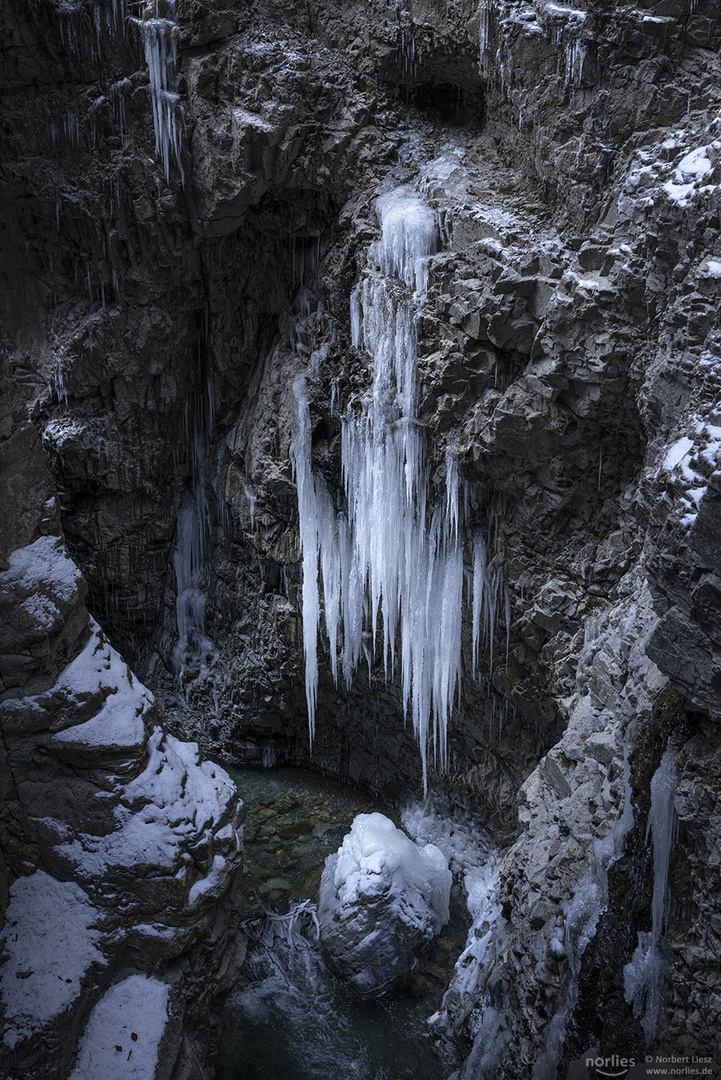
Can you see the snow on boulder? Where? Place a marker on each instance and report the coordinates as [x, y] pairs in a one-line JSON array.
[[382, 900], [99, 673]]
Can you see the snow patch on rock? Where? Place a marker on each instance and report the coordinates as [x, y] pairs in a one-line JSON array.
[[122, 1036], [174, 799], [99, 669], [44, 573], [49, 942]]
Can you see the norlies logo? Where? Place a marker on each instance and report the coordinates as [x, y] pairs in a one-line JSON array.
[[613, 1066]]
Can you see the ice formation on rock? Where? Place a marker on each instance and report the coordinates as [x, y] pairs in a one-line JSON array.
[[373, 843], [189, 564], [581, 920], [391, 561], [159, 37], [195, 654], [644, 975], [473, 858]]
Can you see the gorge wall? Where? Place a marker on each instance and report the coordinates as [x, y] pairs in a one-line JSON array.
[[120, 850], [163, 286]]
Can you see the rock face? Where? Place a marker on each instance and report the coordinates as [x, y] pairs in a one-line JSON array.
[[569, 360], [121, 851], [382, 900]]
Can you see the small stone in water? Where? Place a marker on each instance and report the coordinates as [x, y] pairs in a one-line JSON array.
[[421, 987], [275, 884], [298, 828]]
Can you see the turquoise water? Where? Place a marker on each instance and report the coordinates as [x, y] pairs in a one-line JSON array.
[[290, 1018]]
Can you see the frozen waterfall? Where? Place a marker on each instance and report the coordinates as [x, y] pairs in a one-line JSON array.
[[195, 654], [193, 648], [645, 974], [391, 566]]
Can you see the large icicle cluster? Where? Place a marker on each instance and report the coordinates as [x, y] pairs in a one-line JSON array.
[[159, 35], [391, 567]]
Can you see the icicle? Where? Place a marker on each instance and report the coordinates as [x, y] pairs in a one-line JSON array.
[[646, 972], [600, 464], [452, 495], [487, 588], [383, 571], [575, 52], [159, 36], [316, 517], [118, 95], [390, 576], [479, 580], [409, 234], [483, 29]]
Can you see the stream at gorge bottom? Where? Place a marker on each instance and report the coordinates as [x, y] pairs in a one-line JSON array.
[[289, 1017]]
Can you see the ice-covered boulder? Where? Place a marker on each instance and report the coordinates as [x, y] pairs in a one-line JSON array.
[[382, 900]]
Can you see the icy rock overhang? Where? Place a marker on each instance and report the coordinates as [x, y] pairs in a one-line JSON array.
[[382, 900]]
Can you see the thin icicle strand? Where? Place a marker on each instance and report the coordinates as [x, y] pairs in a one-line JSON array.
[[488, 590], [484, 21], [300, 451], [479, 581], [160, 55]]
